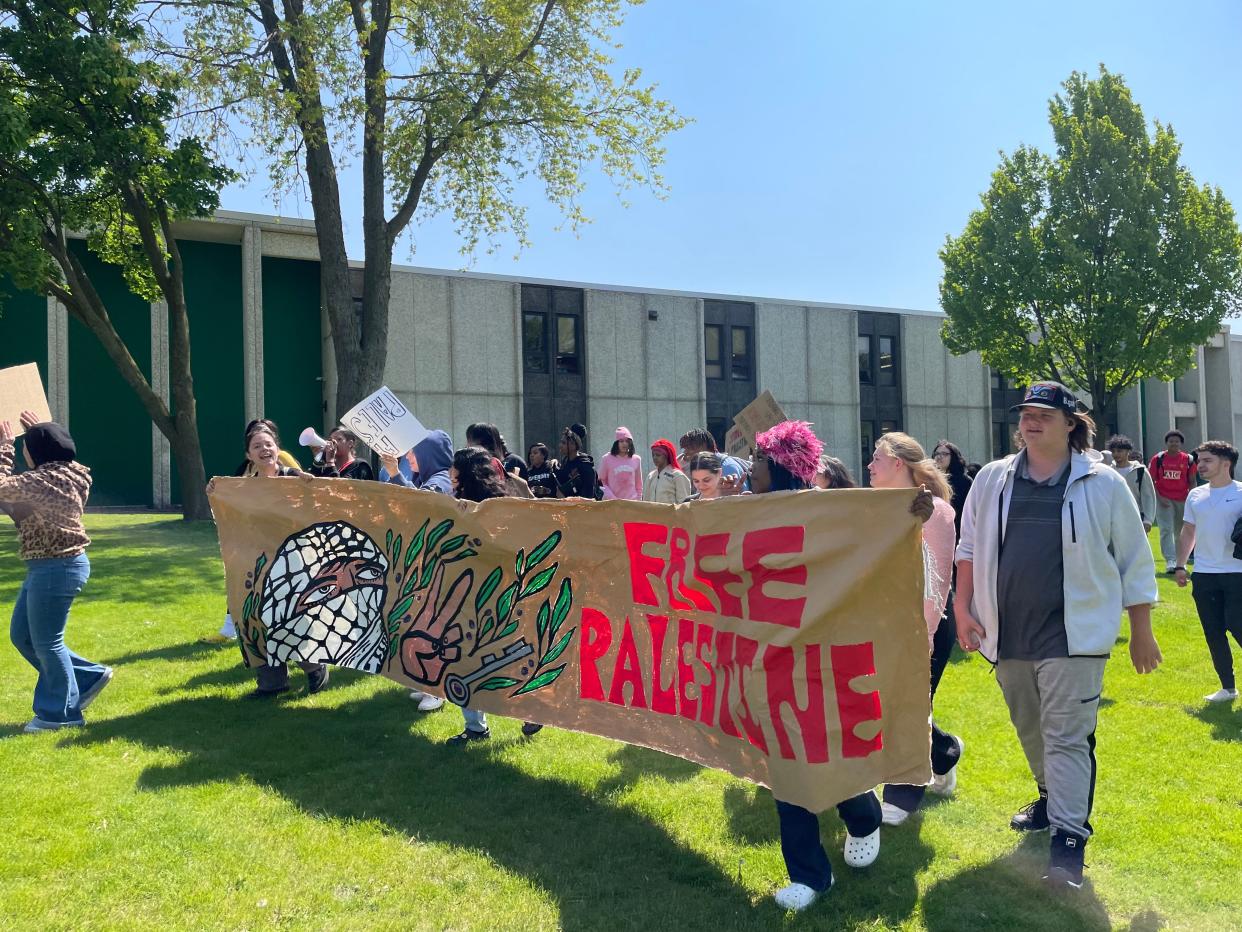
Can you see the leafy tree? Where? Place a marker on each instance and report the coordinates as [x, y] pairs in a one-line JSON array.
[[84, 149], [1098, 268], [448, 104]]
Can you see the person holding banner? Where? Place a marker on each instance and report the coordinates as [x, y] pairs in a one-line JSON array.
[[336, 460], [786, 458], [431, 463], [46, 504], [833, 474], [263, 454], [899, 462], [285, 458], [475, 479], [1052, 549], [666, 483]]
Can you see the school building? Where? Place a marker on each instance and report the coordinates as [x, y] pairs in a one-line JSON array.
[[532, 356]]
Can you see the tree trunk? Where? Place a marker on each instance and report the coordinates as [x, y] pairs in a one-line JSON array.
[[1104, 406], [184, 443]]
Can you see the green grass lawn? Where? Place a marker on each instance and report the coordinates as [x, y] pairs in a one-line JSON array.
[[184, 805]]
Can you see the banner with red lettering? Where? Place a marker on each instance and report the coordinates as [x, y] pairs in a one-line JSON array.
[[779, 637]]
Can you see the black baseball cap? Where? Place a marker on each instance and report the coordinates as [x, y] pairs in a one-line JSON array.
[[1051, 395]]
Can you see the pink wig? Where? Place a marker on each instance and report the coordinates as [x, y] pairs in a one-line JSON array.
[[793, 445]]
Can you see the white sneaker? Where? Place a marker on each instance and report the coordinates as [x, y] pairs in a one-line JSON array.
[[429, 703], [893, 815], [862, 852], [797, 896], [416, 695], [943, 784], [228, 629], [1222, 695]]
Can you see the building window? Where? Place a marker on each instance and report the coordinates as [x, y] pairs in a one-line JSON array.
[[567, 344], [713, 363], [535, 342], [888, 361], [718, 427], [741, 353], [864, 361]]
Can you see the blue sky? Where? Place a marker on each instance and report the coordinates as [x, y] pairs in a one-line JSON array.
[[836, 144]]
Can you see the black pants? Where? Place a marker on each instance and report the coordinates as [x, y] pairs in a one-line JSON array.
[[805, 857], [1218, 597], [945, 749], [274, 677]]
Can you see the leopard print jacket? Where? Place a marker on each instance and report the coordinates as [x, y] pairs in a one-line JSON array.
[[46, 505]]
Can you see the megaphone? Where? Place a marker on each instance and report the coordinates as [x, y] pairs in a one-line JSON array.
[[309, 438]]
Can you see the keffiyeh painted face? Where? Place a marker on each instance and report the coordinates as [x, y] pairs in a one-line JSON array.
[[323, 599]]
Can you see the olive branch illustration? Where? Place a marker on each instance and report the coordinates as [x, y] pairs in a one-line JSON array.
[[501, 621], [252, 633], [434, 548]]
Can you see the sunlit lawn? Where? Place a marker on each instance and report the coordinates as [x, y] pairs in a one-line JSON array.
[[184, 805]]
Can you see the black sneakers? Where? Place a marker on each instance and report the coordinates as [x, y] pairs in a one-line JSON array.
[[316, 679], [1032, 817], [1065, 862], [531, 728], [468, 735]]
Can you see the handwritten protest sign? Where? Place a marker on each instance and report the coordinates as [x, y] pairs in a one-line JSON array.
[[384, 424], [21, 389], [758, 416], [736, 443], [761, 635]]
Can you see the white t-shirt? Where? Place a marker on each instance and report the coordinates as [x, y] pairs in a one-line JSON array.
[[1214, 512]]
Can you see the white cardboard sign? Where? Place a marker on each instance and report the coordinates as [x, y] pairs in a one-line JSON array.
[[384, 424]]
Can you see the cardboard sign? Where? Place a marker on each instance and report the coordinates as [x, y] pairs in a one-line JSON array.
[[21, 389], [761, 635], [736, 443], [384, 424], [758, 416]]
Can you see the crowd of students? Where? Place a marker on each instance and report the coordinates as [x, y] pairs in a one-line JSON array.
[[1029, 561]]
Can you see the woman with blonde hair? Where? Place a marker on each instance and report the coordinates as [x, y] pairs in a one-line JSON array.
[[900, 462]]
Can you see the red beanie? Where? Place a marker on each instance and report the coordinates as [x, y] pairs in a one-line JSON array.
[[666, 447]]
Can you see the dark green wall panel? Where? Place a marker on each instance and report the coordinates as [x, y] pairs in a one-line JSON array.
[[111, 428], [213, 288], [292, 349]]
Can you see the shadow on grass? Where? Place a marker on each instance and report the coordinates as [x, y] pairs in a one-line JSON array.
[[606, 867], [153, 563], [190, 650], [1225, 719], [634, 763], [989, 896]]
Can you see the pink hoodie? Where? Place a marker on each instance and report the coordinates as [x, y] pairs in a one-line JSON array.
[[622, 476]]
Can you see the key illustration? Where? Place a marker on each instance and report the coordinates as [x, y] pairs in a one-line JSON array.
[[457, 688]]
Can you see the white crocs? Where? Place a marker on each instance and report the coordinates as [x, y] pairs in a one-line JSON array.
[[893, 815], [862, 852], [429, 703], [796, 897]]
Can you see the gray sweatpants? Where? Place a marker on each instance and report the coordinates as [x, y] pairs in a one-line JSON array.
[[1053, 705], [1169, 516]]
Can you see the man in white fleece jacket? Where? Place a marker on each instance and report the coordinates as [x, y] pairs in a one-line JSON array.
[[1052, 547]]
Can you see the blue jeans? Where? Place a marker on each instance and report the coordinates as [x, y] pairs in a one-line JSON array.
[[475, 720], [38, 633]]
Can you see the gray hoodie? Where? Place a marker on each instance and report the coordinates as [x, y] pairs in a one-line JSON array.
[[1108, 562]]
